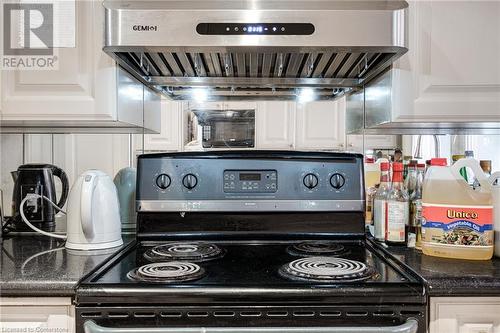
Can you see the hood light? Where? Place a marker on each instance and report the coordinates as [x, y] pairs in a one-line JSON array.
[[199, 94], [306, 95]]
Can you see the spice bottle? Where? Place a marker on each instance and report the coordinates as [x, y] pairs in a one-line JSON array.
[[379, 202], [415, 227], [398, 208]]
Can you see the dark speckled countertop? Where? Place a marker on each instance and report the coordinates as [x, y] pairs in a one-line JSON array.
[[451, 277], [37, 265]]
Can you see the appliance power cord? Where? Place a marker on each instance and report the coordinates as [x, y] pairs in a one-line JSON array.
[[32, 196]]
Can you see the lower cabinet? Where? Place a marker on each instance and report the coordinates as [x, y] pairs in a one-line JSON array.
[[464, 315], [37, 314]]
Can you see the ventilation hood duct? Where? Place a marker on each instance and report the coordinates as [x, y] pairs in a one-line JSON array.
[[255, 49]]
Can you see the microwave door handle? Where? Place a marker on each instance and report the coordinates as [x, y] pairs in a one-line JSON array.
[[410, 326]]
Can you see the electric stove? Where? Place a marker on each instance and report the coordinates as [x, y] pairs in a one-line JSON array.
[[251, 242]]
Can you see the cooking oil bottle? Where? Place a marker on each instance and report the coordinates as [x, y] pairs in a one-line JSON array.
[[457, 221]]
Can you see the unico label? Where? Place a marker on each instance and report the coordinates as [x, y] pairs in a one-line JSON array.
[[457, 225]]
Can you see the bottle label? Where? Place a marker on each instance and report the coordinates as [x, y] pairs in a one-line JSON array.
[[457, 225], [397, 217], [379, 219]]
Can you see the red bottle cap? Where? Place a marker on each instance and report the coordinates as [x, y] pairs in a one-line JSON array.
[[385, 166], [397, 166], [420, 165], [439, 162], [369, 160]]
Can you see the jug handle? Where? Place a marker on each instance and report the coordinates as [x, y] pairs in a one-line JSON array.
[[59, 173], [478, 172], [494, 176], [88, 187]]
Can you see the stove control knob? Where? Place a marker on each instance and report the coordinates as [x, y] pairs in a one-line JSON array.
[[337, 181], [310, 181], [163, 181], [189, 181]]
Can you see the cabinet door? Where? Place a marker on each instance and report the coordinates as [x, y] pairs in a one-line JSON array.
[[240, 105], [465, 315], [171, 129], [37, 315], [320, 125], [275, 125], [190, 105], [451, 72], [355, 143], [360, 143], [82, 88]]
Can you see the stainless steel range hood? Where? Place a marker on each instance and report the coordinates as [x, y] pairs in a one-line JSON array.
[[255, 49]]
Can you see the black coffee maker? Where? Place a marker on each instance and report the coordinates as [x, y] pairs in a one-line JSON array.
[[37, 179]]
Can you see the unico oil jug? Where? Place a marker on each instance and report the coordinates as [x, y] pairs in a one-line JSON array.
[[457, 219]]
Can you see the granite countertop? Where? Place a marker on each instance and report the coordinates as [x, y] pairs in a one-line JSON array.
[[36, 265], [452, 277]]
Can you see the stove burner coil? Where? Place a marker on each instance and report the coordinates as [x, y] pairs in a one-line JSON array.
[[167, 272], [326, 269], [184, 251], [317, 248]]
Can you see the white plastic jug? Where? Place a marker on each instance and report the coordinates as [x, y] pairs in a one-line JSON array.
[[457, 220], [495, 193]]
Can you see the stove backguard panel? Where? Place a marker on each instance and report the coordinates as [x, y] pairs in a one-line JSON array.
[[250, 194]]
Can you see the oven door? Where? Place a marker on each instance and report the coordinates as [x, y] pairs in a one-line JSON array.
[[410, 326]]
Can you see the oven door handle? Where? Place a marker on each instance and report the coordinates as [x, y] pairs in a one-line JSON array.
[[410, 326]]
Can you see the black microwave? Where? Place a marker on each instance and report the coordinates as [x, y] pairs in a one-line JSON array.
[[222, 128]]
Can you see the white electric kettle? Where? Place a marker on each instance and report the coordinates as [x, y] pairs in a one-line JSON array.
[[93, 213]]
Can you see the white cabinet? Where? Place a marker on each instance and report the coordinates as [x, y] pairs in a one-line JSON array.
[[320, 125], [220, 105], [359, 143], [33, 314], [170, 137], [464, 315], [275, 123], [452, 71], [84, 90]]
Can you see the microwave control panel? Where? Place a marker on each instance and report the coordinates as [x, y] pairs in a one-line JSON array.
[[250, 181]]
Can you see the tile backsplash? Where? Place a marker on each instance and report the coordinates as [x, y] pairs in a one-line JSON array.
[[74, 153]]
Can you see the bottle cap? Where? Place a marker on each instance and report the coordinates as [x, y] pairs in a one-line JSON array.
[[439, 162], [469, 153], [385, 166], [485, 165], [420, 165], [397, 166], [369, 160], [457, 157]]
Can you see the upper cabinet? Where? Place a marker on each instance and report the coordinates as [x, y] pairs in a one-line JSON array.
[[171, 133], [320, 125], [452, 70], [275, 123], [82, 90], [448, 80]]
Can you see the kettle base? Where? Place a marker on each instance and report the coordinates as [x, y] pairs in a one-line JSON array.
[[94, 246]]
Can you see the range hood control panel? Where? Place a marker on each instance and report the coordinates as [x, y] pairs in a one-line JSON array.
[[255, 29]]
